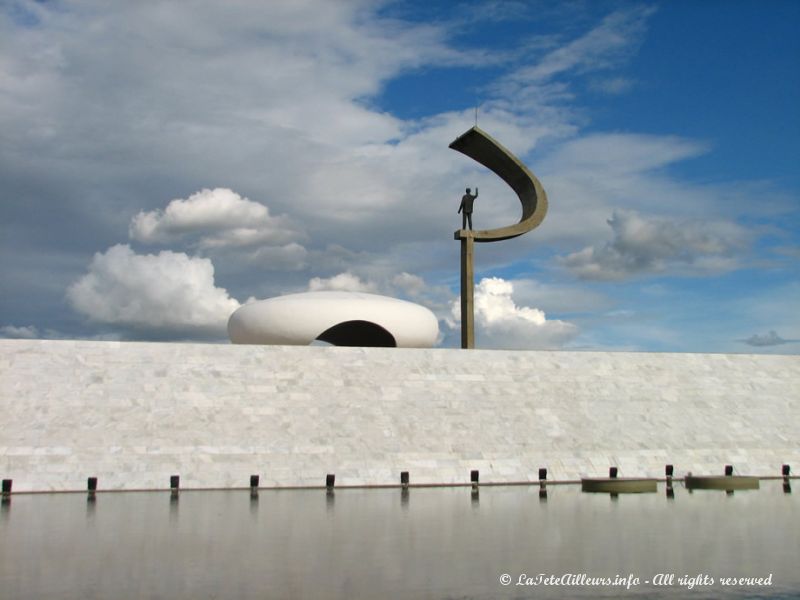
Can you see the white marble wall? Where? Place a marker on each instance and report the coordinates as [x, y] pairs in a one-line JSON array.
[[132, 414]]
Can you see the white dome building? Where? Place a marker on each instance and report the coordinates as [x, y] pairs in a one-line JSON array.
[[339, 318]]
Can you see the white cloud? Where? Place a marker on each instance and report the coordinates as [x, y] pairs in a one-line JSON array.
[[614, 156], [615, 39], [500, 323], [164, 292], [343, 282], [646, 245], [413, 285], [26, 332], [378, 279], [219, 217]]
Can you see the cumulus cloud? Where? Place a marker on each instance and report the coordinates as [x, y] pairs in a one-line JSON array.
[[767, 339], [165, 292], [377, 279], [343, 282], [644, 245], [412, 285], [500, 323], [219, 217], [26, 332]]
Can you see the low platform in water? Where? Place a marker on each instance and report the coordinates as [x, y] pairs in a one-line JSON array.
[[721, 482], [619, 485]]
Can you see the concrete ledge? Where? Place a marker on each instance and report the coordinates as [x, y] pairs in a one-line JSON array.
[[132, 414]]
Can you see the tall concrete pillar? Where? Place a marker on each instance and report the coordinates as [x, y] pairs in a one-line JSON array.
[[467, 291]]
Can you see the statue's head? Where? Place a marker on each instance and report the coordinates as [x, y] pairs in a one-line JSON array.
[[469, 190]]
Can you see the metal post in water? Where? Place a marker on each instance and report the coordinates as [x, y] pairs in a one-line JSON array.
[[174, 486], [542, 483], [91, 487], [669, 470]]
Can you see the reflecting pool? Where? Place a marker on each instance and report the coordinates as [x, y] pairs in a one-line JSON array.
[[504, 542]]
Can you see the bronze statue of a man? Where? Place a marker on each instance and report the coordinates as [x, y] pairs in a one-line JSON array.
[[465, 209]]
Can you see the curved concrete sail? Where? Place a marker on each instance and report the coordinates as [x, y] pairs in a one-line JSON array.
[[483, 148]]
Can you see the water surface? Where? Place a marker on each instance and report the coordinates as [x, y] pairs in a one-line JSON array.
[[381, 543]]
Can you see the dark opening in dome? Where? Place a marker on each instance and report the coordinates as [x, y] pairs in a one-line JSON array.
[[358, 333]]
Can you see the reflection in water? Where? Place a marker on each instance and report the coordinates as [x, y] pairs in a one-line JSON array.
[[432, 543], [174, 499], [254, 504], [91, 508]]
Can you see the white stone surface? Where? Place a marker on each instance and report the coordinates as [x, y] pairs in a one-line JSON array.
[[299, 319], [132, 414]]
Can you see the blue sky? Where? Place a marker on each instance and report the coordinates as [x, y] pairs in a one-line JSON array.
[[163, 166]]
